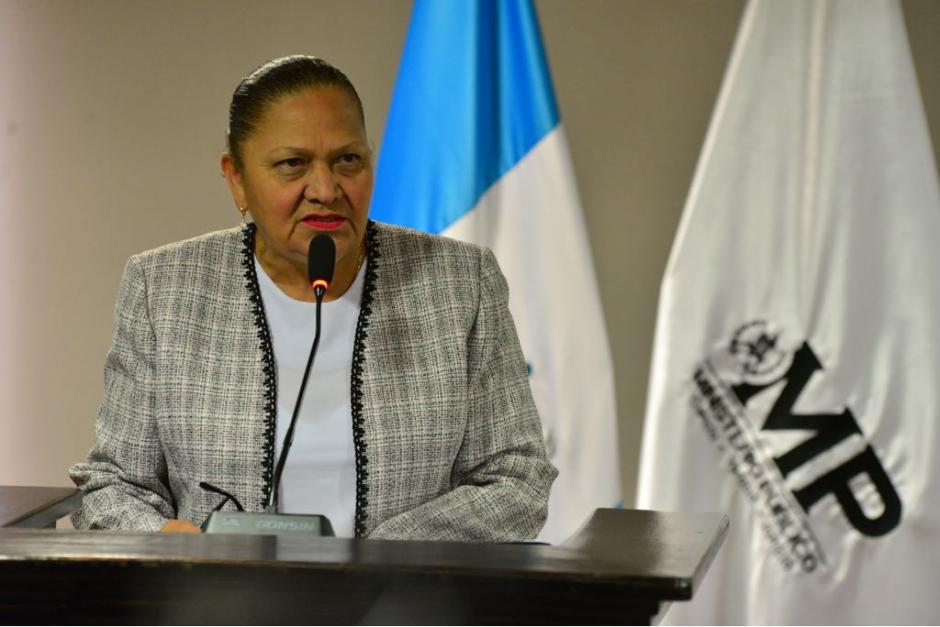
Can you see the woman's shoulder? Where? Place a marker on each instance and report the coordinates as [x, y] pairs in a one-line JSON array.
[[398, 244], [209, 245], [208, 262], [438, 271]]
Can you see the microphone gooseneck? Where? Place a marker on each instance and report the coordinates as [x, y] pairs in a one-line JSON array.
[[321, 260]]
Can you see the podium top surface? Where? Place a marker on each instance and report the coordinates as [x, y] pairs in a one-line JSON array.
[[22, 506], [645, 552]]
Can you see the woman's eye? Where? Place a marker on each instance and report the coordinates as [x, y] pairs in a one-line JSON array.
[[292, 166], [350, 163]]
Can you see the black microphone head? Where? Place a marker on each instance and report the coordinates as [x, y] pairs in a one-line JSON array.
[[321, 258]]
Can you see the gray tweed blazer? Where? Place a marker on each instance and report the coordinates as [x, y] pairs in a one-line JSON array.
[[447, 438]]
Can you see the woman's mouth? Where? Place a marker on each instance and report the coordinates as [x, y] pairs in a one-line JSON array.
[[324, 222]]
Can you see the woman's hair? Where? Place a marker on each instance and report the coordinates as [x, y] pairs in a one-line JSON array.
[[271, 81]]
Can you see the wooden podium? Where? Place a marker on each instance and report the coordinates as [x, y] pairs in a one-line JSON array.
[[26, 506], [622, 567]]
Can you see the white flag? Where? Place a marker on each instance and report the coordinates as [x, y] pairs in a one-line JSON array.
[[795, 383], [474, 149]]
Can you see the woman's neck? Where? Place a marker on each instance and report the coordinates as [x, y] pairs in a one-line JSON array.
[[291, 277]]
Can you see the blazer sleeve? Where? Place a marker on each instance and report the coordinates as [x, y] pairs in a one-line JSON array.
[[501, 477], [124, 479]]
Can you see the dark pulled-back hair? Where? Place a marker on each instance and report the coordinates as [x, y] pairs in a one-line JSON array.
[[273, 80]]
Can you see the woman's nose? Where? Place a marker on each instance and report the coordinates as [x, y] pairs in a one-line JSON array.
[[322, 186]]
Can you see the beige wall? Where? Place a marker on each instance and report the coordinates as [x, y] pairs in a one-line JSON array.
[[112, 115]]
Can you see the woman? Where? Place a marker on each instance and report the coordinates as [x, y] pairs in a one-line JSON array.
[[418, 421]]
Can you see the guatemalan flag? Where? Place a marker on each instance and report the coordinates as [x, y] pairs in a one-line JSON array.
[[474, 149]]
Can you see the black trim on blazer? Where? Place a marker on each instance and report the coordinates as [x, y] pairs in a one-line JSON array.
[[267, 356], [270, 370], [358, 420]]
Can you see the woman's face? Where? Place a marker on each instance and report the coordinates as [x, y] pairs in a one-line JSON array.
[[306, 169]]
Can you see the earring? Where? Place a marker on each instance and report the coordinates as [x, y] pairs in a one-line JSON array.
[[244, 210]]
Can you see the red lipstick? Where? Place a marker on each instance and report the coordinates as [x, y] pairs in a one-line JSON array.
[[324, 222]]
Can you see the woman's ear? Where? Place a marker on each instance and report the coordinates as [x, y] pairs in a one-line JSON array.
[[233, 178]]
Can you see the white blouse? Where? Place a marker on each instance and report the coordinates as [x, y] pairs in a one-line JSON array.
[[320, 474]]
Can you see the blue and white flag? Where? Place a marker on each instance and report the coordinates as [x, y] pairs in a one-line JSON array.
[[795, 375], [474, 149]]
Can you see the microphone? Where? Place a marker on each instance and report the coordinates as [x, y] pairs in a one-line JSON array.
[[321, 261]]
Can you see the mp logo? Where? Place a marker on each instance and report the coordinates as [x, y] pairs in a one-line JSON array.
[[787, 461]]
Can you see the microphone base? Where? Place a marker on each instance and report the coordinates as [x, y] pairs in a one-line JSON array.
[[260, 523]]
